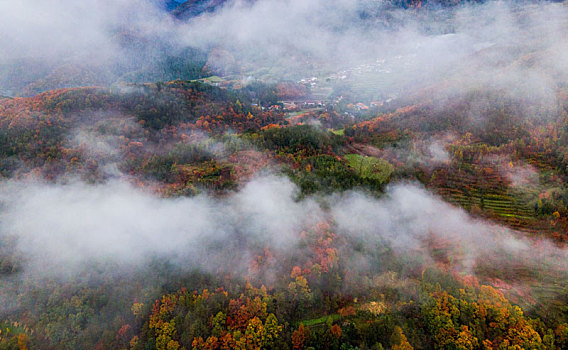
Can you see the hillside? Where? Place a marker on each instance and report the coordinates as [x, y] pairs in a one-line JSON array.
[[153, 136], [194, 8], [284, 175]]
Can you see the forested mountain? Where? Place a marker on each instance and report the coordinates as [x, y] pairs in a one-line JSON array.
[[171, 5], [217, 179], [194, 8]]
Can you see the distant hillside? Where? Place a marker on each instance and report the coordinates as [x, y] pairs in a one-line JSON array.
[[194, 8], [171, 5]]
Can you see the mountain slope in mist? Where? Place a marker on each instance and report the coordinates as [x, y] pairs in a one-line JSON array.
[[283, 175], [194, 8], [170, 185], [172, 4]]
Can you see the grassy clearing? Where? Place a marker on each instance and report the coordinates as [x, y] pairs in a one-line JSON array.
[[213, 79], [320, 320], [339, 132], [370, 167]]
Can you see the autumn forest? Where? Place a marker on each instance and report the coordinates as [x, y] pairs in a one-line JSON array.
[[259, 175]]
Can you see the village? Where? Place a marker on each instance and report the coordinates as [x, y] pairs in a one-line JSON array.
[[319, 93]]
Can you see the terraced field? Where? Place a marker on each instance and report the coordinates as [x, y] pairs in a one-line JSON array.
[[485, 192]]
